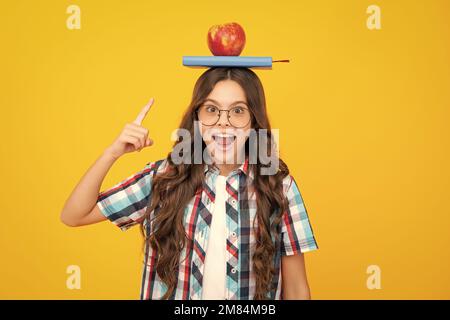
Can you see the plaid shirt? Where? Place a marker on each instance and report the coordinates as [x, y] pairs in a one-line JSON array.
[[125, 203]]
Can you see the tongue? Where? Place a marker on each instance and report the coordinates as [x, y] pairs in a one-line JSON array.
[[223, 141]]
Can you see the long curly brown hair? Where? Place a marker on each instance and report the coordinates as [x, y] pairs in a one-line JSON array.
[[174, 188]]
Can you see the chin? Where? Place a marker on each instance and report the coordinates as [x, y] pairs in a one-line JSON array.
[[227, 157]]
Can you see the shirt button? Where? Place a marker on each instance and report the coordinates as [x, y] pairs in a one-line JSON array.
[[233, 201], [233, 270], [233, 234]]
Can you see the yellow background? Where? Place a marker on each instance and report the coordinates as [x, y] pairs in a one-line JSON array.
[[363, 118]]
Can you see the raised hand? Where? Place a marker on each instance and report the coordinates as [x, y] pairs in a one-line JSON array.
[[134, 137]]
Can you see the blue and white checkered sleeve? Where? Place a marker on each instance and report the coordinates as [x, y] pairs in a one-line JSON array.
[[125, 203], [296, 231]]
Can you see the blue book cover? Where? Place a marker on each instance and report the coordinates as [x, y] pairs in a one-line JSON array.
[[227, 61]]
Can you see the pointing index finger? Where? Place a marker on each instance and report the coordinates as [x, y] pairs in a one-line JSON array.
[[143, 112]]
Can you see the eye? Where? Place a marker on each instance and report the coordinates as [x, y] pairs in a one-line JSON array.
[[238, 110], [211, 108]]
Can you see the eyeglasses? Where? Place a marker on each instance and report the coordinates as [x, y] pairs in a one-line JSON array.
[[209, 115]]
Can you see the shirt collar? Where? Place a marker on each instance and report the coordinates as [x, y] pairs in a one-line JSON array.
[[244, 168]]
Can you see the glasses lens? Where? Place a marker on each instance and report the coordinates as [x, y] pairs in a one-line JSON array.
[[208, 115], [239, 117]]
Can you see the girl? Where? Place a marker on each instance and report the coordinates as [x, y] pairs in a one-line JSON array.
[[219, 229]]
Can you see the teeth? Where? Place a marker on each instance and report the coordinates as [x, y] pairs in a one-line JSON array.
[[224, 138], [224, 135]]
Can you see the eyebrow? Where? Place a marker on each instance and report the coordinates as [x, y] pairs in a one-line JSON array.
[[236, 102]]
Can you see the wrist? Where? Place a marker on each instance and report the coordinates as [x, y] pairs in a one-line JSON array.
[[109, 154]]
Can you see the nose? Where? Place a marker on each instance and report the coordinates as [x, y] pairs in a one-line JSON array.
[[223, 119]]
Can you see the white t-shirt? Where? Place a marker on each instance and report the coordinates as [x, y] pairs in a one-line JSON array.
[[215, 265]]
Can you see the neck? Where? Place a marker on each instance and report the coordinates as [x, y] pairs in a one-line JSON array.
[[225, 169]]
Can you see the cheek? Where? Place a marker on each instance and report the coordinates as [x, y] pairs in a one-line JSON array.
[[240, 143], [205, 137]]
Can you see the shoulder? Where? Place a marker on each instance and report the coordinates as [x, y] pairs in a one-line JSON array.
[[155, 167], [288, 181], [291, 189]]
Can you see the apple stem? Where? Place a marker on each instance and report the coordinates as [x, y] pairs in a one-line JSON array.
[[280, 61]]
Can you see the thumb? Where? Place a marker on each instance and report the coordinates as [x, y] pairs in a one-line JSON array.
[[148, 142]]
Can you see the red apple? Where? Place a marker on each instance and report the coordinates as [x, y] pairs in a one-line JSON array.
[[226, 39]]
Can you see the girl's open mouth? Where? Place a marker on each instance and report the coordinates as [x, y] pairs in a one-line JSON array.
[[224, 140]]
